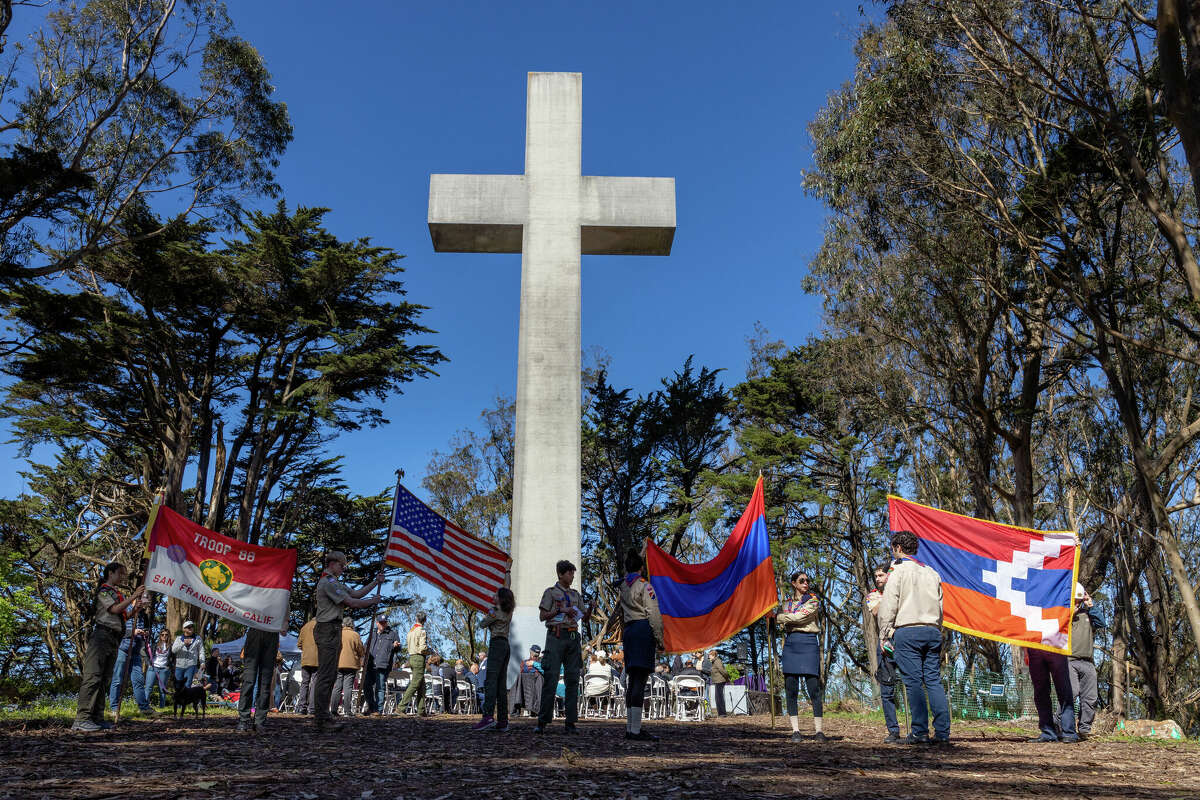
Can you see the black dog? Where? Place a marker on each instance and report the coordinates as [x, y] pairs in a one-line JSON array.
[[194, 696]]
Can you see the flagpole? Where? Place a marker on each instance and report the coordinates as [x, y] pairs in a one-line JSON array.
[[362, 677], [139, 581]]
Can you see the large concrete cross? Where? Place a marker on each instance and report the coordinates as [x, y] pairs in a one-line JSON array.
[[551, 215]]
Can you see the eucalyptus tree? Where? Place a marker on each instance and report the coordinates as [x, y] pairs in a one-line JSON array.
[[111, 103]]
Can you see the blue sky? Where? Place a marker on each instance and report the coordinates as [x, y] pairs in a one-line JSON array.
[[717, 96]]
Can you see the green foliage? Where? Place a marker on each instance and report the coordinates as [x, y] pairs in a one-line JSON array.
[[112, 103]]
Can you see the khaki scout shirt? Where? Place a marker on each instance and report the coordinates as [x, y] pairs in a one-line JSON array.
[[105, 599], [417, 642], [308, 644], [799, 617], [912, 596], [497, 622], [638, 602], [562, 601], [329, 597]]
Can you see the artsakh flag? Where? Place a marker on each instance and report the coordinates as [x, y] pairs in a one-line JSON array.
[[1001, 582], [246, 583], [703, 604]]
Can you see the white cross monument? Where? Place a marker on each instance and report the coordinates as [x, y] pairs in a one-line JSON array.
[[550, 215]]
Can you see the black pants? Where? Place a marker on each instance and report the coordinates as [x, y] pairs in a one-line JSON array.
[[812, 685], [329, 650], [258, 664], [635, 690], [719, 691]]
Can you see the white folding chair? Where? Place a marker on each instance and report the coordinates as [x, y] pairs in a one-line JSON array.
[[689, 698], [433, 694], [466, 698], [597, 689]]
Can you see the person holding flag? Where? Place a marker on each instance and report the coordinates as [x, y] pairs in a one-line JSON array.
[[330, 598], [110, 610]]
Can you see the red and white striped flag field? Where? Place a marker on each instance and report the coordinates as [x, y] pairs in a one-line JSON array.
[[428, 545]]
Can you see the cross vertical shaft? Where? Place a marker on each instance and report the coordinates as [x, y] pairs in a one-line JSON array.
[[546, 489]]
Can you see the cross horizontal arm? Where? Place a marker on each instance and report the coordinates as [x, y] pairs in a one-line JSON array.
[[627, 216], [477, 213]]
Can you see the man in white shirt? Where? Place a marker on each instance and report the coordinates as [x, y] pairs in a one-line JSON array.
[[910, 615]]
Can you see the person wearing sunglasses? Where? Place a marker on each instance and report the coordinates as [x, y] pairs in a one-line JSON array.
[[799, 619]]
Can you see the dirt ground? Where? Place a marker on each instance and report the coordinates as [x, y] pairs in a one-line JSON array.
[[440, 758]]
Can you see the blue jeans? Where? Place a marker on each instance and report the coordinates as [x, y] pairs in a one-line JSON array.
[[184, 675], [157, 676], [378, 695], [136, 678], [887, 691], [919, 656], [1045, 667]]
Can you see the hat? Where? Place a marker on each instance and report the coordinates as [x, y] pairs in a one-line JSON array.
[[189, 624], [336, 555], [601, 654], [347, 622], [1079, 591], [535, 649]]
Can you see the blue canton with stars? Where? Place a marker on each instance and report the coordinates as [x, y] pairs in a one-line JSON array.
[[419, 520]]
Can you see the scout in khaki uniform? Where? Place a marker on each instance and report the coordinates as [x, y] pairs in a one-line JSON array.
[[418, 649], [562, 610], [110, 611], [495, 681], [329, 598], [802, 653], [642, 634]]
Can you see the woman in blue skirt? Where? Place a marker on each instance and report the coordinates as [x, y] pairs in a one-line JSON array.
[[642, 635], [802, 653]]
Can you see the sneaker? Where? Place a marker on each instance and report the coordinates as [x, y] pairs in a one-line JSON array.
[[148, 711], [910, 739], [892, 738], [938, 742], [571, 730], [484, 724], [641, 736], [797, 737], [1070, 739], [820, 737], [86, 726], [501, 727], [104, 726], [1045, 738]]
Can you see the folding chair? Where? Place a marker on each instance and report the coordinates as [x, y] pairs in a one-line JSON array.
[[597, 689], [466, 698], [689, 698]]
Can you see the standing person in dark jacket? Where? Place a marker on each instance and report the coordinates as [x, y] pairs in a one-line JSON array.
[[384, 644], [110, 608], [258, 667], [1083, 667], [212, 668]]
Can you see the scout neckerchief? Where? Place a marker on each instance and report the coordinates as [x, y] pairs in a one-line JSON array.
[[117, 592]]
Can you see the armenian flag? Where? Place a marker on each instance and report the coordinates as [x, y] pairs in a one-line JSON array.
[[1001, 582], [703, 604]]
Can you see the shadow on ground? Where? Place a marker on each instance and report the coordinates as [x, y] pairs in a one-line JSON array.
[[440, 758]]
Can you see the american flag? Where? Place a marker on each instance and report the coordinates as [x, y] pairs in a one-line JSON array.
[[430, 546]]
